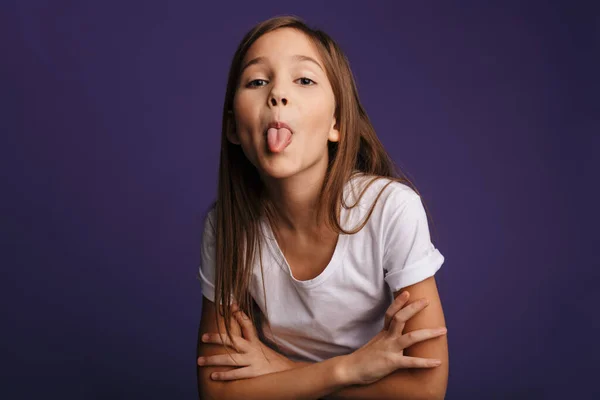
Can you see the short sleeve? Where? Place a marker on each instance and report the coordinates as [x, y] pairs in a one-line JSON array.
[[409, 256], [206, 271]]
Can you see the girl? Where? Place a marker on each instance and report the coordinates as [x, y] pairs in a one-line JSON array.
[[315, 243]]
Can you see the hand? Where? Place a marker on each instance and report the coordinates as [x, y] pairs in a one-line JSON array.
[[252, 356], [384, 353]]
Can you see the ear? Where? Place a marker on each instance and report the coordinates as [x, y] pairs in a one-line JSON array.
[[230, 131], [334, 132]]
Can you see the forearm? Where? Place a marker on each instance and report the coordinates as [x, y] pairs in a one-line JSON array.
[[403, 384], [309, 381]]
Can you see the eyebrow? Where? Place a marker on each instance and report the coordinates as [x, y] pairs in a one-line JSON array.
[[297, 58]]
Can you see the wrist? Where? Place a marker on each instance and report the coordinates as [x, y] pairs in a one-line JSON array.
[[342, 371]]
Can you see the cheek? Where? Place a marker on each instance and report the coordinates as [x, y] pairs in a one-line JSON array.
[[321, 112], [246, 116], [244, 108]]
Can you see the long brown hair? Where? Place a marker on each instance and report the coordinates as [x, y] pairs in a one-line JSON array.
[[241, 198]]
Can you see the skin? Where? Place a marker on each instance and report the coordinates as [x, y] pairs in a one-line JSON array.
[[406, 374], [282, 87]]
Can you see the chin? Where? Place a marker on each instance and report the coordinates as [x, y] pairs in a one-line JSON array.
[[279, 169]]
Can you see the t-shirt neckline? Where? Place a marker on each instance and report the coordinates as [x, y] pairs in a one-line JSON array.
[[334, 262]]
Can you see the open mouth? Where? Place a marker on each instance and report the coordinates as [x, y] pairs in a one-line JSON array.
[[279, 136]]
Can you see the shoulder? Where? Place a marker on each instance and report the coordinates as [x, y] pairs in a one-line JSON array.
[[209, 224], [390, 195], [210, 215], [376, 203]]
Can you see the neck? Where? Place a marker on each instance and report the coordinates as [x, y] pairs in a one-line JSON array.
[[295, 200]]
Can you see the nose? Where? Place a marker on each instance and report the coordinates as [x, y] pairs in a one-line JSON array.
[[277, 96], [274, 100]]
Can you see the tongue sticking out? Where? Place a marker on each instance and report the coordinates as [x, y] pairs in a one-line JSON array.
[[278, 139]]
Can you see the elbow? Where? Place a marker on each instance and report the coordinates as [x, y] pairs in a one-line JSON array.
[[220, 393], [418, 384], [208, 394], [435, 394], [429, 393], [219, 390], [433, 384], [204, 393], [208, 389]]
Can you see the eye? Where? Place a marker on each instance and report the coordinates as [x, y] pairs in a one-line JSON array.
[[306, 81], [256, 83]]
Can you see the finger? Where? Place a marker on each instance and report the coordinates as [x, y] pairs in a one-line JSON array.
[[231, 360], [214, 338], [417, 362], [400, 318], [420, 335], [238, 373], [396, 306], [248, 329]]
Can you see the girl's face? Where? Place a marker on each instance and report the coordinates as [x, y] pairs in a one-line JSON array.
[[283, 80]]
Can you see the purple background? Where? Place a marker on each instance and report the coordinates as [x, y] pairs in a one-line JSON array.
[[110, 138]]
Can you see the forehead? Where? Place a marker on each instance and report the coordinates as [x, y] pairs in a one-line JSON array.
[[282, 43]]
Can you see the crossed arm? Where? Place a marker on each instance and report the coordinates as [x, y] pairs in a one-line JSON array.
[[326, 379]]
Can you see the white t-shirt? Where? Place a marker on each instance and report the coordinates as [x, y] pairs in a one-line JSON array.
[[344, 307]]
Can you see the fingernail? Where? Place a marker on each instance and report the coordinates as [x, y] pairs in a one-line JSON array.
[[205, 337], [200, 360], [442, 331], [436, 363]]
